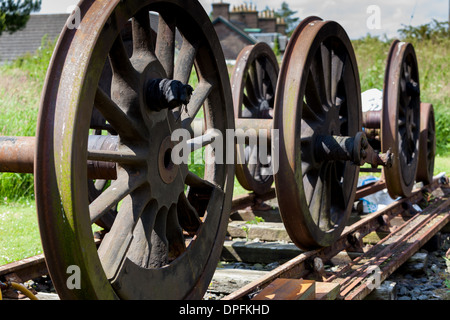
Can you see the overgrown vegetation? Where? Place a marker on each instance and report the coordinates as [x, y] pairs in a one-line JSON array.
[[21, 84], [432, 45]]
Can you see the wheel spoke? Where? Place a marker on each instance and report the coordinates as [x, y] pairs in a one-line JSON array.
[[310, 179], [118, 190], [250, 90], [260, 75], [187, 215], [250, 110], [159, 250], [315, 204], [144, 37], [324, 222], [185, 61], [198, 98], [121, 64], [165, 44], [116, 243], [193, 180], [337, 67], [326, 67], [338, 198], [177, 245], [141, 244], [202, 141], [312, 109], [319, 77], [122, 156], [118, 119]]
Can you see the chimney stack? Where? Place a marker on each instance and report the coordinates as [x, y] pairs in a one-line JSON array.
[[221, 9]]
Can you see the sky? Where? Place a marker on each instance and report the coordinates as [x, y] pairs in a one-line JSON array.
[[358, 17]]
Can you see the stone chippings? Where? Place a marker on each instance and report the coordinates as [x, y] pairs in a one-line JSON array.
[[428, 279]]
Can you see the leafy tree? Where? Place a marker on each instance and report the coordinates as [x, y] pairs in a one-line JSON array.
[[14, 14], [288, 15], [434, 30]]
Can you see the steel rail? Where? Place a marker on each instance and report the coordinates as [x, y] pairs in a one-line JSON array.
[[302, 266]]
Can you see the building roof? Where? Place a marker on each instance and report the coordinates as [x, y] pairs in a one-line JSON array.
[[29, 39], [235, 28]]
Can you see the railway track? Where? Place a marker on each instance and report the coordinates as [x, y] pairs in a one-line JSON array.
[[411, 222], [409, 230]]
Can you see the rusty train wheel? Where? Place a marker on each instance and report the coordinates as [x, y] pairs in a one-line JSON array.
[[318, 94], [253, 85], [427, 144], [167, 237], [400, 121]]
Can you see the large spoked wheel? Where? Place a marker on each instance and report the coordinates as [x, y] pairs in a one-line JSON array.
[[167, 237], [427, 144], [400, 122], [253, 85], [318, 96]]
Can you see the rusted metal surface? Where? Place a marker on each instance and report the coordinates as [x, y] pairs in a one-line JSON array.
[[371, 119], [25, 269], [318, 94], [394, 250], [249, 200], [427, 144], [370, 188], [400, 122], [420, 226], [17, 154], [148, 252], [253, 84]]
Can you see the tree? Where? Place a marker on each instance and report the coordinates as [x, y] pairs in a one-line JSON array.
[[276, 46], [14, 14], [288, 15]]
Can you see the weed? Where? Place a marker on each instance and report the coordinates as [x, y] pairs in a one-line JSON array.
[[247, 226]]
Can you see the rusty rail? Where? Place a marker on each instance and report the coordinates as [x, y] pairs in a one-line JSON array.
[[430, 221]]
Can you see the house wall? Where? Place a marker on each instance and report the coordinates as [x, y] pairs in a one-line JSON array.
[[268, 25], [29, 39], [248, 18], [231, 42]]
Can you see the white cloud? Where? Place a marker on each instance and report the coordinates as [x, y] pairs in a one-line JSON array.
[[57, 6]]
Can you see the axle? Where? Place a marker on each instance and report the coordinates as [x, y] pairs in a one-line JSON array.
[[17, 153], [356, 149]]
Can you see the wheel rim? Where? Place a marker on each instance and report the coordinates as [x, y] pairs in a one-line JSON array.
[[253, 84], [146, 254], [400, 123], [315, 198], [427, 144]]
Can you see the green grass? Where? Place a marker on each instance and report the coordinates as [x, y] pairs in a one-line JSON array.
[[434, 73], [19, 233]]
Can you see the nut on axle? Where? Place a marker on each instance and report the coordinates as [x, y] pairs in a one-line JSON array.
[[356, 149]]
